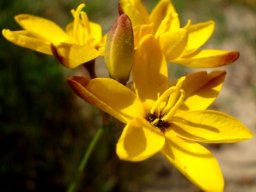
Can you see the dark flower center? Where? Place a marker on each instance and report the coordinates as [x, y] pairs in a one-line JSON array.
[[157, 122]]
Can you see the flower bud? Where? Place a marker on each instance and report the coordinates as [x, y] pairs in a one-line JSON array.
[[119, 49]]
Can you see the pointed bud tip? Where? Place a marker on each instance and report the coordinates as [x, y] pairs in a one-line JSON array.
[[120, 10]]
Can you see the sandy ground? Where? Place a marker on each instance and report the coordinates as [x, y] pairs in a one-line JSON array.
[[238, 161]]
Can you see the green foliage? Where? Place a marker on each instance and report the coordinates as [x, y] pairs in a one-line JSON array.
[[42, 128]]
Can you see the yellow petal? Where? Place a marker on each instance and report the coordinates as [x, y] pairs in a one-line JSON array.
[[42, 27], [198, 34], [208, 58], [169, 23], [173, 43], [195, 162], [108, 95], [164, 12], [101, 46], [74, 55], [201, 89], [141, 32], [149, 70], [135, 10], [69, 29], [210, 127], [139, 141], [96, 34], [28, 40]]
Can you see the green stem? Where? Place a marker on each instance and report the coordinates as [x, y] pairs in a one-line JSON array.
[[72, 187]]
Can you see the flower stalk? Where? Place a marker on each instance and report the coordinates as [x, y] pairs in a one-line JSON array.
[[79, 175]]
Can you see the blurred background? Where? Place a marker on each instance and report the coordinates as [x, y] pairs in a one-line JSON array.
[[45, 128]]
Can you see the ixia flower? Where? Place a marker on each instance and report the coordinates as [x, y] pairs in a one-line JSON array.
[[171, 120], [179, 45], [81, 42]]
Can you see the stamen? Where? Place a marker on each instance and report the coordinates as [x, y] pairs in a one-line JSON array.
[[166, 105], [188, 24], [172, 97], [162, 98], [180, 82], [155, 122], [157, 111], [86, 30], [175, 107], [171, 102], [76, 22], [85, 21]]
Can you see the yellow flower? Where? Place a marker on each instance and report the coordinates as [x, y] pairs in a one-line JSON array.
[[81, 42], [179, 45], [171, 120]]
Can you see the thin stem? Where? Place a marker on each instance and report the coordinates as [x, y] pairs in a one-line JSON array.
[[89, 150], [72, 187]]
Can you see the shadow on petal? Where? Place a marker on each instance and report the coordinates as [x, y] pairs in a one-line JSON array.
[[135, 142], [139, 141]]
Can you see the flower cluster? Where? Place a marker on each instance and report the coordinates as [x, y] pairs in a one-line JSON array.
[[81, 42], [158, 117]]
